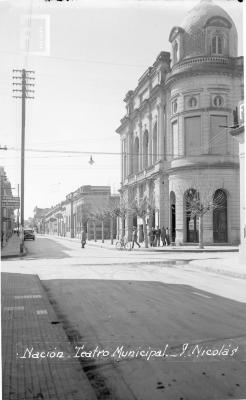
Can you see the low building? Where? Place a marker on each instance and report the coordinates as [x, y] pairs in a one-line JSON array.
[[8, 204], [88, 207], [38, 219]]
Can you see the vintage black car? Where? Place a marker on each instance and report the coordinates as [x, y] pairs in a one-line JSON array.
[[29, 234]]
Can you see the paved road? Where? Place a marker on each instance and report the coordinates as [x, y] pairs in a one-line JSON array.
[[150, 331]]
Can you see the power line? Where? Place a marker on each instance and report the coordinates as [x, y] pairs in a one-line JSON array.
[[69, 153]]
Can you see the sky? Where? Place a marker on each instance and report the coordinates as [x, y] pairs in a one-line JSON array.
[[86, 55]]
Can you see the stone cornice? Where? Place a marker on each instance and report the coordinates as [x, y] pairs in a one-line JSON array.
[[201, 110], [205, 65], [215, 165]]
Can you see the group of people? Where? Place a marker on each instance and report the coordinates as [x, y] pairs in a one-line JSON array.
[[157, 235]]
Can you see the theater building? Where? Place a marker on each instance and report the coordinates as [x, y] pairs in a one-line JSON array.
[[175, 137]]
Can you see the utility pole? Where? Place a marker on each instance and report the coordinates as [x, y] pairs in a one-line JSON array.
[[22, 81], [18, 213]]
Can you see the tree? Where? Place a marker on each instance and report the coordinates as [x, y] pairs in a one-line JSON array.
[[142, 207], [121, 211], [200, 200], [112, 210], [100, 215]]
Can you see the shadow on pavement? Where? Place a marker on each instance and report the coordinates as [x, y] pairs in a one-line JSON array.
[[44, 248], [139, 314]]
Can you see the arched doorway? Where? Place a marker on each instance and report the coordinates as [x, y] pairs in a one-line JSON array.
[[173, 216], [220, 217], [192, 228]]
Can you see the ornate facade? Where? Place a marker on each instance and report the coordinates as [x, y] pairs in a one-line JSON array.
[[175, 135]]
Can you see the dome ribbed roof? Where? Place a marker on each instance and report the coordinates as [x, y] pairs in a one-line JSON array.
[[199, 15]]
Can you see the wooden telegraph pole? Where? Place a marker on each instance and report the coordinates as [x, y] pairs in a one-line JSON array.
[[23, 79]]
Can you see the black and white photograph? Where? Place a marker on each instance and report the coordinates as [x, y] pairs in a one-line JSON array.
[[122, 200]]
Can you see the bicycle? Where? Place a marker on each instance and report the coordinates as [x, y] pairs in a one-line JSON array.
[[123, 244]]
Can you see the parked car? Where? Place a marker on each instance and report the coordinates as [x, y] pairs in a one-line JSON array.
[[29, 234]]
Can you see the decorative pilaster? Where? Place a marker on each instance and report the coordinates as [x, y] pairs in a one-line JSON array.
[[122, 158]]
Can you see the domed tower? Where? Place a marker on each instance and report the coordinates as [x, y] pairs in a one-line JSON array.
[[204, 86]]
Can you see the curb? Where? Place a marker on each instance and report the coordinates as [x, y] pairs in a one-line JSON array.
[[181, 249], [217, 270], [171, 249]]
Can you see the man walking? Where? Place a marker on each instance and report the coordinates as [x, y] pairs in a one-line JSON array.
[[134, 237], [83, 239], [158, 236]]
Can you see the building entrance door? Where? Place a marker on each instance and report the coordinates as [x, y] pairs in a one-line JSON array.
[[220, 217], [173, 216], [173, 220], [192, 229], [192, 233]]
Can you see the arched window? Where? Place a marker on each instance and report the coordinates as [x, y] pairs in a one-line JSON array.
[[218, 101], [192, 102], [136, 156], [174, 106], [175, 52], [155, 143], [145, 149], [131, 154], [124, 159], [217, 45]]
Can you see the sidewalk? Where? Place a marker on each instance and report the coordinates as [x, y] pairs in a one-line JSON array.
[[12, 248], [227, 262], [222, 260], [173, 249], [231, 266], [29, 328]]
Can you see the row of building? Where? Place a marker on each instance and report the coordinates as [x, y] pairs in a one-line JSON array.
[[8, 204], [91, 208], [177, 138]]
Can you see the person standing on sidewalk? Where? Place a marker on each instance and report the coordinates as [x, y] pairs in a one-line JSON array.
[[83, 238], [163, 236], [135, 237], [158, 236], [167, 237]]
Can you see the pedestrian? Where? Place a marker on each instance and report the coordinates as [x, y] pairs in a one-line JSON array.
[[135, 237], [163, 236], [83, 239], [167, 237], [158, 236], [152, 236]]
